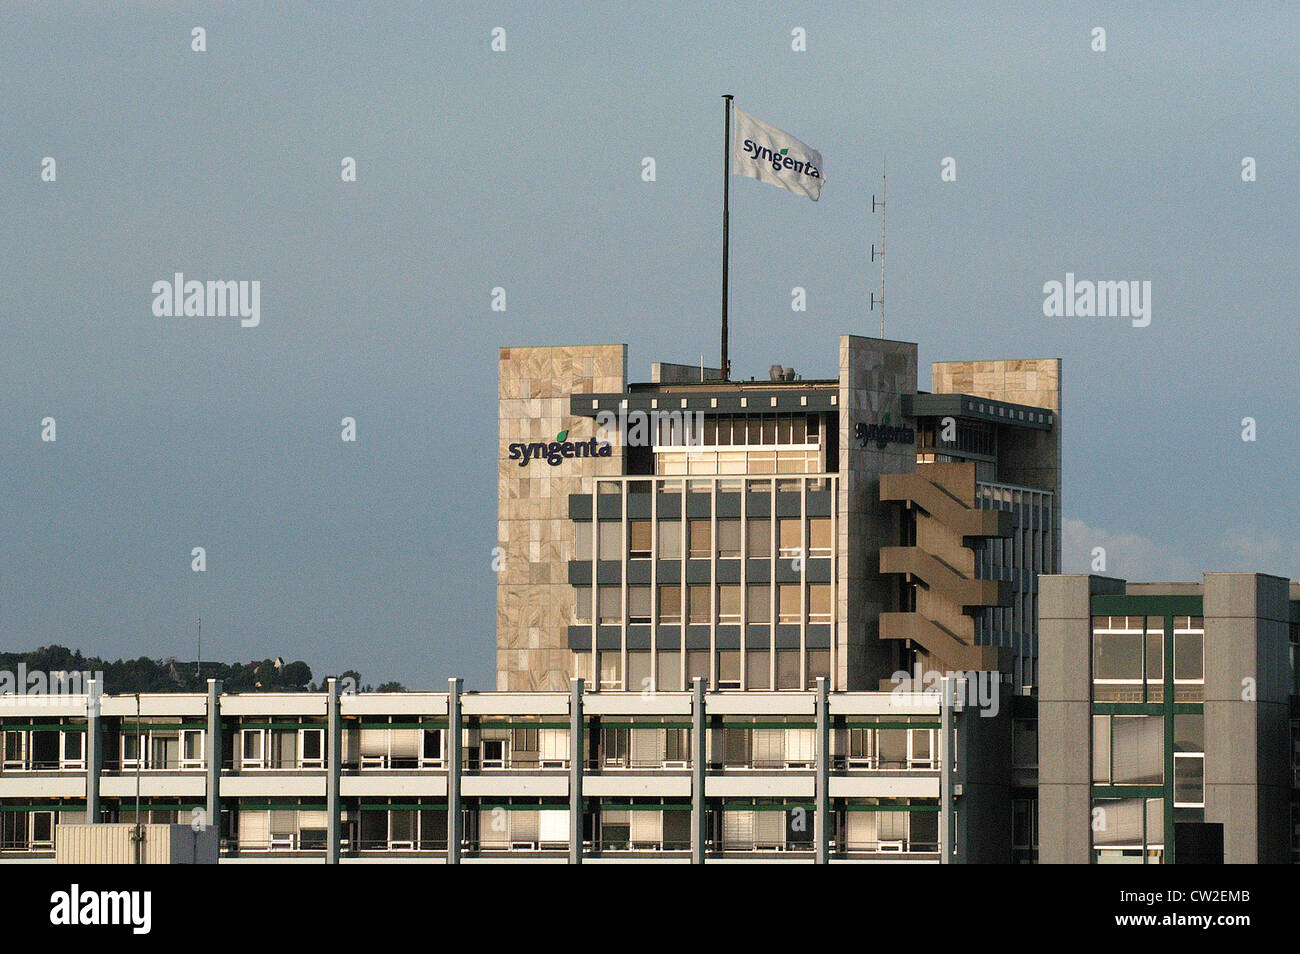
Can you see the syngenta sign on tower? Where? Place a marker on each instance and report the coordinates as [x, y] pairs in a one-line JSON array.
[[633, 428], [559, 450]]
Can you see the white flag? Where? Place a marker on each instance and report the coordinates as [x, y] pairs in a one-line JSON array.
[[765, 153]]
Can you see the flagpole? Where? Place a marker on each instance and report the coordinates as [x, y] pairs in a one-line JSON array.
[[726, 226]]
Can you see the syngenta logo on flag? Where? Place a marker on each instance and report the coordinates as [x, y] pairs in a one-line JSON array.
[[131, 909], [769, 155]]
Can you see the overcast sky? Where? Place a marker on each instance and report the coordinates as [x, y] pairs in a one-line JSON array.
[[522, 169]]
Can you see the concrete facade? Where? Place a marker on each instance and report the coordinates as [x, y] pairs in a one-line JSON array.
[[1244, 702], [874, 377], [534, 599], [557, 613]]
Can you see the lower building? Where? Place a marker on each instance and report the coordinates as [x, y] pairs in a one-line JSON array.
[[1184, 697], [465, 776]]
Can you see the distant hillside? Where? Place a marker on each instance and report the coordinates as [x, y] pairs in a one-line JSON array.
[[173, 675]]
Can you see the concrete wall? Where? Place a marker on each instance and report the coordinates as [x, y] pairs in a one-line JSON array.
[[1065, 715], [534, 599], [874, 376], [1247, 734], [1030, 458]]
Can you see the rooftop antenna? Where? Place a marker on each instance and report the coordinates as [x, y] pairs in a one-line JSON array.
[[880, 206], [198, 665]]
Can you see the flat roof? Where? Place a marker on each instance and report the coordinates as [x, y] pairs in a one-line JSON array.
[[976, 408]]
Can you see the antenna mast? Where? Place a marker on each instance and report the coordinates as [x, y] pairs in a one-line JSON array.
[[879, 206]]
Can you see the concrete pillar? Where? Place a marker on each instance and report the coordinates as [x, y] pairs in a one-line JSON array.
[[455, 757], [94, 748], [699, 753], [1065, 715], [214, 755], [1248, 715], [947, 815], [822, 810], [334, 771], [577, 760]]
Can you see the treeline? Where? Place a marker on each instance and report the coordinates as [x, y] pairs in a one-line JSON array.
[[173, 675]]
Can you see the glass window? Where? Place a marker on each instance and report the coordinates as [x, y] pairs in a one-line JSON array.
[[611, 540], [670, 540], [787, 669], [891, 748], [611, 605], [700, 610], [1119, 822], [697, 666], [790, 529], [611, 670], [639, 531], [729, 603], [759, 603], [638, 604], [582, 604], [582, 541], [1156, 654], [819, 664], [819, 537], [638, 671], [1117, 656], [760, 539], [819, 603], [1189, 781], [1189, 656], [729, 669], [1189, 733], [1101, 749], [729, 538], [789, 609], [670, 670], [701, 539], [670, 605], [1138, 750], [731, 462]]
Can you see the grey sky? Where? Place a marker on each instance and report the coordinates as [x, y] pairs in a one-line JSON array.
[[521, 169]]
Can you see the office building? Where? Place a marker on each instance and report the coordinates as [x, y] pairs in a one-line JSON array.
[[761, 534], [548, 776], [1183, 696]]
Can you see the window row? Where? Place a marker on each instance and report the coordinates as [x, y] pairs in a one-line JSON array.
[[47, 749], [702, 604], [740, 430], [769, 461], [1128, 830], [762, 669], [696, 538], [1128, 659], [1131, 750]]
